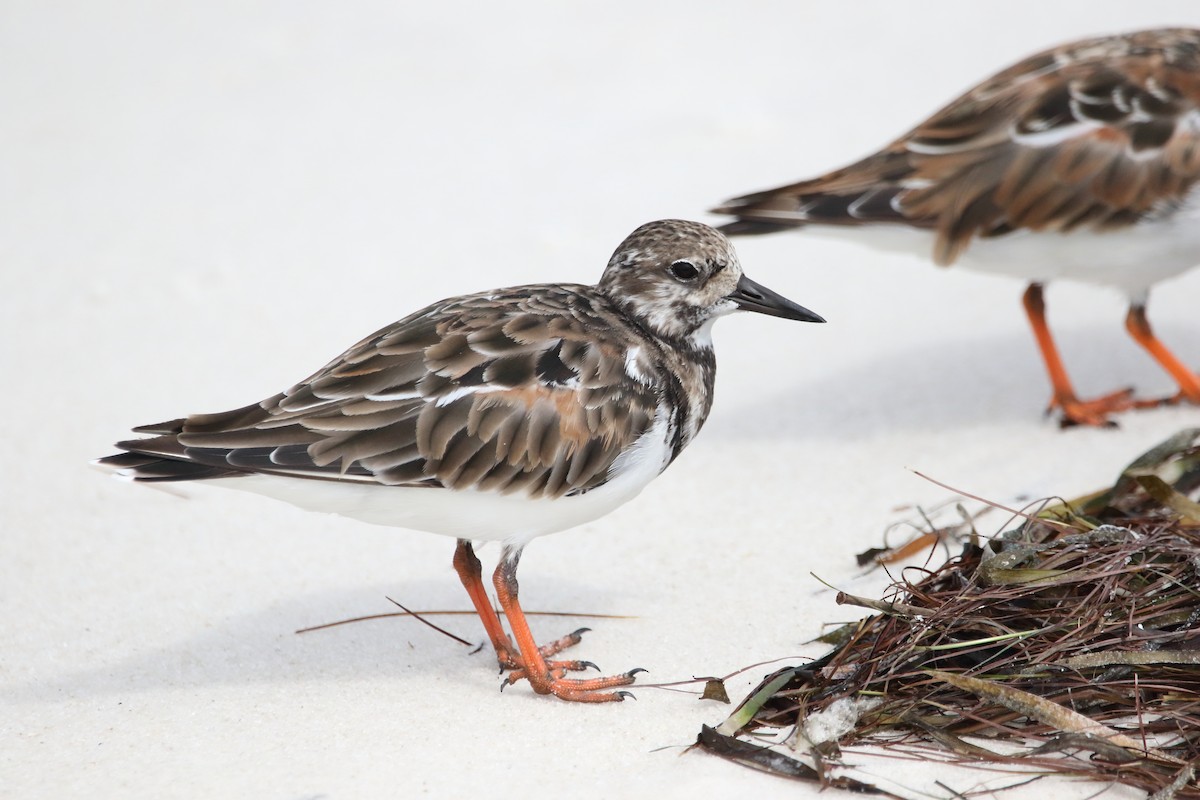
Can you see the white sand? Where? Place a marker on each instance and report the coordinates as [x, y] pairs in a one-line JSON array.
[[202, 202]]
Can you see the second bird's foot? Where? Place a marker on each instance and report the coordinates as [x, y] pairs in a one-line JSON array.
[[1096, 412]]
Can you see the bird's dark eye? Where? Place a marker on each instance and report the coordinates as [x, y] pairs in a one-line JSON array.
[[684, 270]]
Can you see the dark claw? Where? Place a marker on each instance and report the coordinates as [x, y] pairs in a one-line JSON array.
[[586, 664], [624, 694], [635, 671], [581, 632]]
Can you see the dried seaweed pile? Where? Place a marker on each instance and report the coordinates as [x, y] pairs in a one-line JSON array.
[[1068, 645]]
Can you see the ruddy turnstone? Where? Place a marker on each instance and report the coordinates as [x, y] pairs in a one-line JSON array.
[[1080, 162], [502, 416]]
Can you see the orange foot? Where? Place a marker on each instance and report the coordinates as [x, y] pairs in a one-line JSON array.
[[1093, 412], [551, 679], [510, 657], [1074, 411], [1159, 402], [548, 677], [526, 660]]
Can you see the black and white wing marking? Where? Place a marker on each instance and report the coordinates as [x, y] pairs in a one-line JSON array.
[[1098, 133], [521, 390]]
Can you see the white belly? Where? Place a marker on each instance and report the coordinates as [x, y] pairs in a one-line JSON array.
[[469, 514], [1129, 259]]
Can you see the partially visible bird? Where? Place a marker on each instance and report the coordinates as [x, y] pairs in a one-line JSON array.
[[498, 416], [1081, 163]]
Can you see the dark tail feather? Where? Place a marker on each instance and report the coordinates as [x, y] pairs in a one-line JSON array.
[[171, 426], [162, 457], [757, 227], [147, 467]]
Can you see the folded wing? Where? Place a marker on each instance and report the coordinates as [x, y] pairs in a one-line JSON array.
[[517, 391], [1100, 133]]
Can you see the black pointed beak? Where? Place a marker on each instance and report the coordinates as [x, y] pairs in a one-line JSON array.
[[753, 296]]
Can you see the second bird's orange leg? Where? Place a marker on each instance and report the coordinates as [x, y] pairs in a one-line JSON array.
[[1139, 328], [1074, 410]]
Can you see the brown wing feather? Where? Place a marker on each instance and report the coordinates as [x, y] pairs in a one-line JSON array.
[[506, 392], [1100, 133]]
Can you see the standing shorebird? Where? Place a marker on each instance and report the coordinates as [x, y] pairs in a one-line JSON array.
[[498, 416], [1079, 163]]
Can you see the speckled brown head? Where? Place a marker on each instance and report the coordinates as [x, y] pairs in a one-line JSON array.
[[674, 277]]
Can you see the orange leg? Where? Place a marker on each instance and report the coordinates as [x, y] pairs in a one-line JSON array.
[[1139, 328], [1074, 410], [548, 677]]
